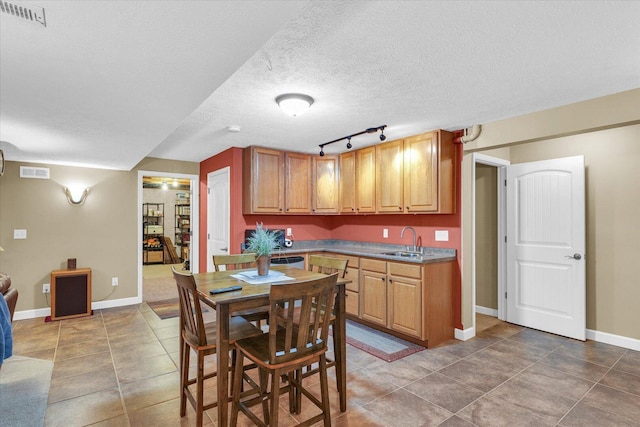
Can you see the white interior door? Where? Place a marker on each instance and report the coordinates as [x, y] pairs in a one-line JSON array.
[[546, 246], [218, 186]]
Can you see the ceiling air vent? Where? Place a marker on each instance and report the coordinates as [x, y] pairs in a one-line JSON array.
[[23, 11], [31, 172]]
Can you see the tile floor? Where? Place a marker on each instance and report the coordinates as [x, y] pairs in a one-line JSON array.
[[119, 368]]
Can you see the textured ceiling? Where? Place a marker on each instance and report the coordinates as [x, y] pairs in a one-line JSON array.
[[108, 83]]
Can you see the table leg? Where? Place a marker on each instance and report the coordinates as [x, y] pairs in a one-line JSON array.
[[222, 356], [340, 334]]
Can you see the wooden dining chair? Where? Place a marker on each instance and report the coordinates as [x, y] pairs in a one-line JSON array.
[[201, 338], [236, 262], [284, 351]]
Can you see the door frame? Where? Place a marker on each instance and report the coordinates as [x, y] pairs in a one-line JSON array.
[[500, 164], [223, 170], [195, 218]]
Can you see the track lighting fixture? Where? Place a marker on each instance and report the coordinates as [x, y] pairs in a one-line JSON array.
[[348, 137]]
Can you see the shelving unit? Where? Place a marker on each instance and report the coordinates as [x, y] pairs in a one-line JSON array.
[[152, 233], [183, 225]]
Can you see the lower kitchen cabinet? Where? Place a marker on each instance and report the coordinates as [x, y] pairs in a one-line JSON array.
[[415, 300]]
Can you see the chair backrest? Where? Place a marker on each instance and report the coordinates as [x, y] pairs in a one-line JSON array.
[[234, 262], [327, 265], [190, 311], [304, 320]]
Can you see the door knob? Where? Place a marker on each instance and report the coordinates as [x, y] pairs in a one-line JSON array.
[[574, 256], [224, 249]]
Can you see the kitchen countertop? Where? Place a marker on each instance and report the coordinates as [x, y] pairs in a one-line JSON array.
[[370, 250]]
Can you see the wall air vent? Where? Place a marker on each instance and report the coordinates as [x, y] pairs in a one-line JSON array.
[[23, 11], [31, 172]]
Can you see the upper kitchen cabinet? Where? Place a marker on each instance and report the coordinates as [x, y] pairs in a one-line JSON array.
[[263, 180], [429, 173], [347, 182], [366, 180], [324, 191], [389, 177], [297, 197]]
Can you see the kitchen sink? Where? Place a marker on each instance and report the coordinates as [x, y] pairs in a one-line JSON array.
[[405, 254]]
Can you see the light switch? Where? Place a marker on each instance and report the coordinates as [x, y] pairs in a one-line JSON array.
[[442, 235], [19, 234], [385, 233]]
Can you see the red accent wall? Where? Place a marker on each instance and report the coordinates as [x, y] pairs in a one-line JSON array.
[[365, 228]]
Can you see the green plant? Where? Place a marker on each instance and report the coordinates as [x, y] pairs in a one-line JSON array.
[[262, 241]]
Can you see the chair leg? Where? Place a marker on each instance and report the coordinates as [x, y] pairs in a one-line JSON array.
[[184, 378], [264, 380], [237, 389], [200, 389], [324, 391], [275, 397]]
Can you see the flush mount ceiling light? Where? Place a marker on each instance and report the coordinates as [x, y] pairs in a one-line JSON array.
[[294, 104], [348, 137]]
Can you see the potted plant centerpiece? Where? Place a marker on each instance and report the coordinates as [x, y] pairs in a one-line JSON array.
[[262, 242]]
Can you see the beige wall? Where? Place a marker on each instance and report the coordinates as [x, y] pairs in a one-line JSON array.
[[606, 131], [612, 162], [102, 234], [486, 236]]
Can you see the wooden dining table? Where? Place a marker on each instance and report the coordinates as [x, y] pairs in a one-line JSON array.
[[253, 296]]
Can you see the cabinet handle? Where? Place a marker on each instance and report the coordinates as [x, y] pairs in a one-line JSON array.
[[390, 280], [407, 207], [400, 208], [383, 279]]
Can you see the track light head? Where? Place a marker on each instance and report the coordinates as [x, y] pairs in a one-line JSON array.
[[382, 137], [349, 144], [321, 152]]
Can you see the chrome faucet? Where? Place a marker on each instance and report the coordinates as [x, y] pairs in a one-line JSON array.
[[415, 248]]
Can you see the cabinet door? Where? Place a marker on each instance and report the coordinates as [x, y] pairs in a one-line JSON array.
[[324, 193], [389, 177], [421, 173], [348, 182], [298, 183], [263, 180], [373, 297], [405, 305], [366, 179]]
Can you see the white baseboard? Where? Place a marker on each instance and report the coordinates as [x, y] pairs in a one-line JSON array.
[[487, 311], [464, 334], [44, 312], [620, 341]]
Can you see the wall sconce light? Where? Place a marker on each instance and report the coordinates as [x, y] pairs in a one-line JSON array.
[[76, 195], [294, 104], [348, 137]]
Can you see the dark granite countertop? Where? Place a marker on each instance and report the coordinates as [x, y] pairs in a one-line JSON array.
[[370, 250]]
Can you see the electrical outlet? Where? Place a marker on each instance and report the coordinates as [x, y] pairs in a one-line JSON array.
[[114, 281], [46, 288], [385, 233], [289, 233]]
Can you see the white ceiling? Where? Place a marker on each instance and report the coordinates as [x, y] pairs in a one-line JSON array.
[[107, 83]]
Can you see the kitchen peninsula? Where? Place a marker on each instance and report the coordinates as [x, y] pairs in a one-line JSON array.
[[407, 294]]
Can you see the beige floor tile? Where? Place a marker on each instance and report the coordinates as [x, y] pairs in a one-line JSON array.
[[80, 385], [444, 392], [490, 411], [85, 410], [401, 408], [586, 415]]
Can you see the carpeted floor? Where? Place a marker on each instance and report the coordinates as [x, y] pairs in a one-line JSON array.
[[24, 390], [158, 283]]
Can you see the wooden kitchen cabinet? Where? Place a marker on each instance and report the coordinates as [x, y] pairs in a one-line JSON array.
[[353, 287], [366, 180], [414, 301], [324, 189], [405, 298], [263, 180], [347, 182], [297, 197], [373, 291], [429, 173], [389, 177]]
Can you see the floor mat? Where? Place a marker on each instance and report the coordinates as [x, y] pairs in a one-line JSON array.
[[382, 345]]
